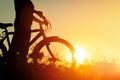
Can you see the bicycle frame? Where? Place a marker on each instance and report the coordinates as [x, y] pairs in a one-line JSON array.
[[41, 33]]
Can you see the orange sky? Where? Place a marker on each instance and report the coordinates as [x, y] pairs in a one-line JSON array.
[[87, 23]]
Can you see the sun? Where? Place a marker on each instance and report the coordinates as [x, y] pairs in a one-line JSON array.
[[80, 54]]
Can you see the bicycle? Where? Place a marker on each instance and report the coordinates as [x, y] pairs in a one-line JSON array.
[[49, 49]]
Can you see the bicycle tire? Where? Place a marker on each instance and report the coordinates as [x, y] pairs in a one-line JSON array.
[[61, 49], [3, 52], [3, 49]]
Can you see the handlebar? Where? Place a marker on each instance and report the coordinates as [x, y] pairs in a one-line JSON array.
[[5, 25]]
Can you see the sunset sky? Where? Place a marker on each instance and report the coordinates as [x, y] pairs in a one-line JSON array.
[[84, 23]]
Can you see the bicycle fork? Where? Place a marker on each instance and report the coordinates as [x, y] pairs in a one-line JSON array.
[[48, 48]]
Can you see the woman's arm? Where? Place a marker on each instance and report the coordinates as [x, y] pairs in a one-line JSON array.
[[40, 14]]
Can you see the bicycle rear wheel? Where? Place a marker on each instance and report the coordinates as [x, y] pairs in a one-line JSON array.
[[3, 49], [3, 52], [54, 50]]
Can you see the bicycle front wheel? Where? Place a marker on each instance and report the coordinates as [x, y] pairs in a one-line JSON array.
[[54, 49]]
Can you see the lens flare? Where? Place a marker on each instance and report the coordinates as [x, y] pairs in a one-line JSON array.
[[80, 55]]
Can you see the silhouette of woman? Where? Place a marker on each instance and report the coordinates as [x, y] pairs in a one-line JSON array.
[[17, 54], [24, 16]]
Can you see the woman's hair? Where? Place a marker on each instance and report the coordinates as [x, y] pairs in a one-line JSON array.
[[20, 4]]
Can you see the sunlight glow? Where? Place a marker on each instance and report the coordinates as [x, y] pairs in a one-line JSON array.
[[80, 55]]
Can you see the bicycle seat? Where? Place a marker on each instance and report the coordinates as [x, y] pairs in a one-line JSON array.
[[5, 25]]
